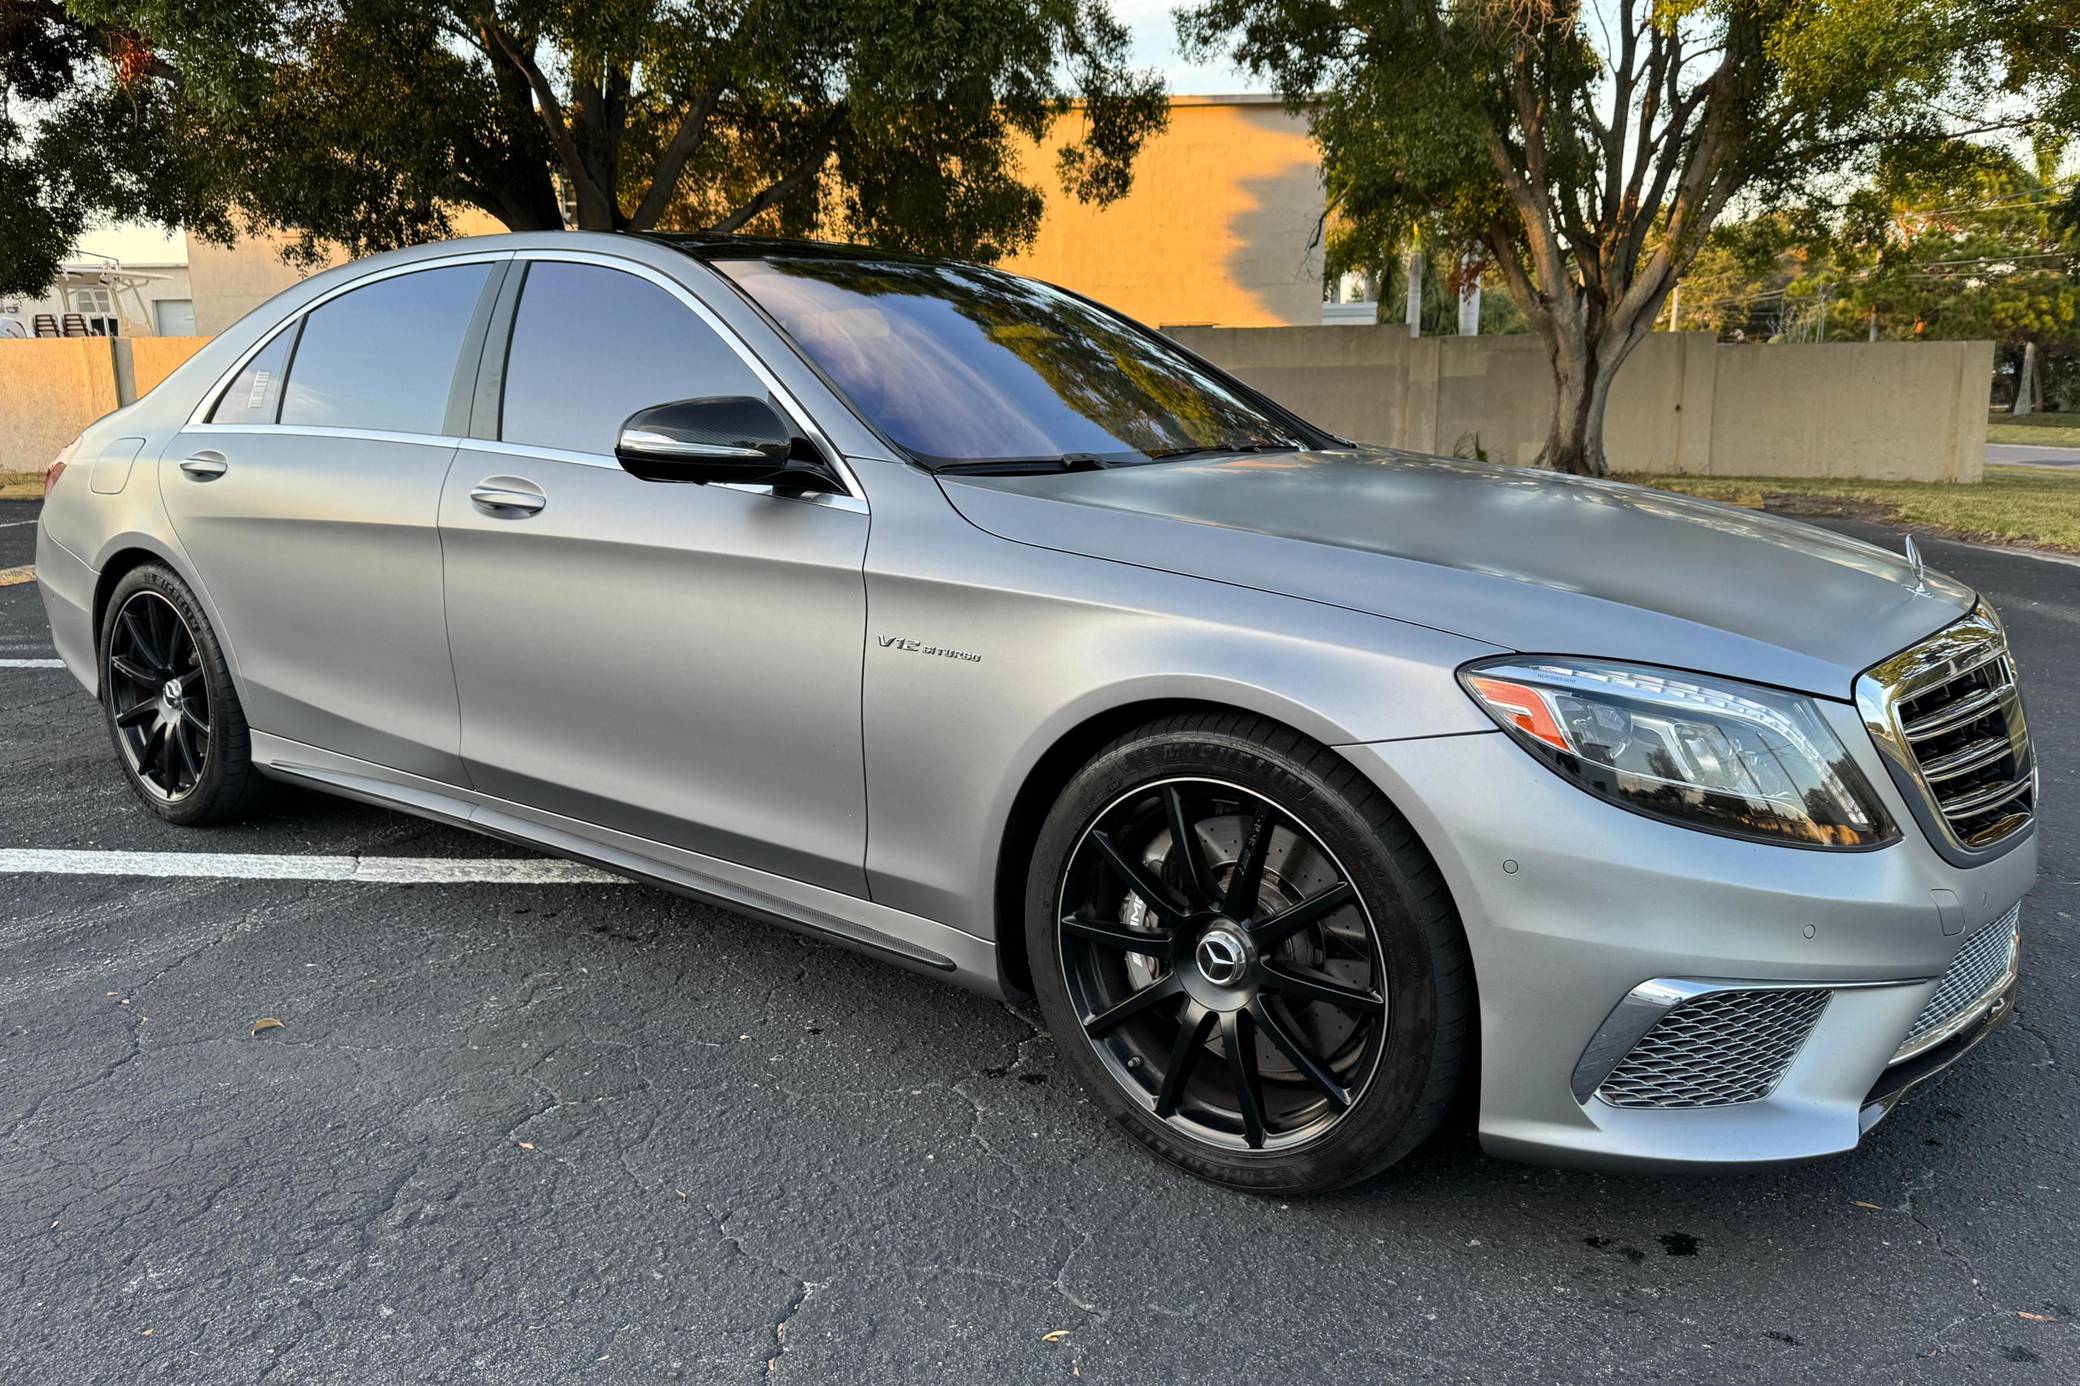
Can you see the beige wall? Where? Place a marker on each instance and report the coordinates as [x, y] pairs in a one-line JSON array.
[[152, 359], [1217, 229], [1682, 403], [50, 389], [232, 280]]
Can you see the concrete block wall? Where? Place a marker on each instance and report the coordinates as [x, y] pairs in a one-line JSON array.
[[1683, 402], [52, 387]]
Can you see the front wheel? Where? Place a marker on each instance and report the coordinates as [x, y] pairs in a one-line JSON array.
[[1248, 957]]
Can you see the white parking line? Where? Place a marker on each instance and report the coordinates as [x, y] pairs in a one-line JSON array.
[[32, 664], [15, 524], [264, 866]]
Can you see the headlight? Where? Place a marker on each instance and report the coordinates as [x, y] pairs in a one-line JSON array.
[[1726, 757]]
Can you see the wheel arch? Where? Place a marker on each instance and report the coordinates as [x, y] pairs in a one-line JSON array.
[[123, 555], [1051, 772]]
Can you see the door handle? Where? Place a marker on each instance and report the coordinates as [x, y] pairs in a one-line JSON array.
[[495, 497], [205, 466]]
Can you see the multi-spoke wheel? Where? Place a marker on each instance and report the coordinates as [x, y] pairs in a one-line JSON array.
[[1248, 955], [159, 696], [171, 709]]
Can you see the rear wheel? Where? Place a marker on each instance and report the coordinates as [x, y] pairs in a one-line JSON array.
[[1248, 956], [172, 712]]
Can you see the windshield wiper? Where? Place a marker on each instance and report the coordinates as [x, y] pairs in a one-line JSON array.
[[1171, 454], [1026, 466]]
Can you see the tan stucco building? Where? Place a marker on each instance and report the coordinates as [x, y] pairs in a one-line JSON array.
[[1220, 229]]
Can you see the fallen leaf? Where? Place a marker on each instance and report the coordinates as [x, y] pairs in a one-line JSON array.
[[266, 1022], [2034, 1318], [1872, 1206], [1054, 1337], [147, 1333], [527, 1145]]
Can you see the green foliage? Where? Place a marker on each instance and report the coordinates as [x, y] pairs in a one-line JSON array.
[[1947, 240], [77, 142], [1587, 151], [369, 123]]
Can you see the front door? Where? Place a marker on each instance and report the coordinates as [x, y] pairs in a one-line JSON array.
[[675, 661], [308, 503]]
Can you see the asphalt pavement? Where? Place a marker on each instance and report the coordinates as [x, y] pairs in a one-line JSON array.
[[2032, 455], [512, 1131]]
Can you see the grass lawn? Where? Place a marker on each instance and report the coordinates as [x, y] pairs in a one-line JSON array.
[[2042, 430], [2035, 506]]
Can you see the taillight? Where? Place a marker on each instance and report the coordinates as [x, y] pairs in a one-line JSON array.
[[57, 467]]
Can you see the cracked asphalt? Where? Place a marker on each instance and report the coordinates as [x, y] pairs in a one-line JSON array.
[[523, 1133]]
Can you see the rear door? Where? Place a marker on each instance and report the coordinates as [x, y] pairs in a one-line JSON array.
[[679, 662], [308, 499]]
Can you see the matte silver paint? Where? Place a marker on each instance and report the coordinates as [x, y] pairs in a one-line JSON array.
[[689, 684]]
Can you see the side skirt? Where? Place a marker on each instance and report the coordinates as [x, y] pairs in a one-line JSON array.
[[908, 940]]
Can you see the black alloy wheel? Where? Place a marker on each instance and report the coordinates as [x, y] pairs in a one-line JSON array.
[[159, 696], [171, 708], [1222, 964]]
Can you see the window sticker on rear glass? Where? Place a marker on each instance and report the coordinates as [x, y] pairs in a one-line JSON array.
[[259, 395]]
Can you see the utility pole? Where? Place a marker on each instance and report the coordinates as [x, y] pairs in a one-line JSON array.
[[1469, 301]]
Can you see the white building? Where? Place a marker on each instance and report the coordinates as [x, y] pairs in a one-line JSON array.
[[119, 282]]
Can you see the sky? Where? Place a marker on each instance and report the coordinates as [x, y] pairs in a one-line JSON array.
[[1155, 45]]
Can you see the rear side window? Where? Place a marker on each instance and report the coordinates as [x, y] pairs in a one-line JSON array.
[[383, 356], [258, 388], [591, 346]]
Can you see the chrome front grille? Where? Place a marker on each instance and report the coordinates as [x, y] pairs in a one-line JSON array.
[[1984, 968], [1716, 1049], [1948, 716]]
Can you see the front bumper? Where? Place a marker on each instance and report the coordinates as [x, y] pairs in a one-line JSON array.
[[1570, 903]]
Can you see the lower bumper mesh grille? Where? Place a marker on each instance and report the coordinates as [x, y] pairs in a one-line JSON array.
[[1716, 1050], [1982, 970]]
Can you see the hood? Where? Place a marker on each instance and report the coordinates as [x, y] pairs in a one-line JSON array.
[[1529, 560]]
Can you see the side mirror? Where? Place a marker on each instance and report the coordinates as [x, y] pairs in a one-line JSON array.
[[722, 438]]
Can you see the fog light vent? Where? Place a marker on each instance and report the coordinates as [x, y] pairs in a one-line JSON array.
[[1717, 1049]]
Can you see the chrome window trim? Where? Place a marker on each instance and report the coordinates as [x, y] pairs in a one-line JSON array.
[[373, 435], [198, 416]]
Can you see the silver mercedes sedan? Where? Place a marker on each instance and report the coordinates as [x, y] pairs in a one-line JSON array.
[[1309, 788]]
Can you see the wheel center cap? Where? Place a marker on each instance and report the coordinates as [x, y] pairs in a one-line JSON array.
[[172, 695], [1222, 956]]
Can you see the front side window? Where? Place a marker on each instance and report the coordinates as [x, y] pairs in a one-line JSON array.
[[963, 365], [592, 346], [382, 356], [252, 397]]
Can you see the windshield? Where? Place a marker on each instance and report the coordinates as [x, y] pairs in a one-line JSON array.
[[967, 366]]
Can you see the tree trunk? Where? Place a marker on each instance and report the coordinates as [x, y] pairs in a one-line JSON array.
[[1581, 386]]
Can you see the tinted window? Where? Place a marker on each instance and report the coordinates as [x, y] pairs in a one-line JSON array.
[[383, 356], [961, 364], [254, 394], [592, 346]]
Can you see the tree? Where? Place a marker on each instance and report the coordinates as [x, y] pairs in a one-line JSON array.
[[1586, 151], [365, 123], [87, 128]]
